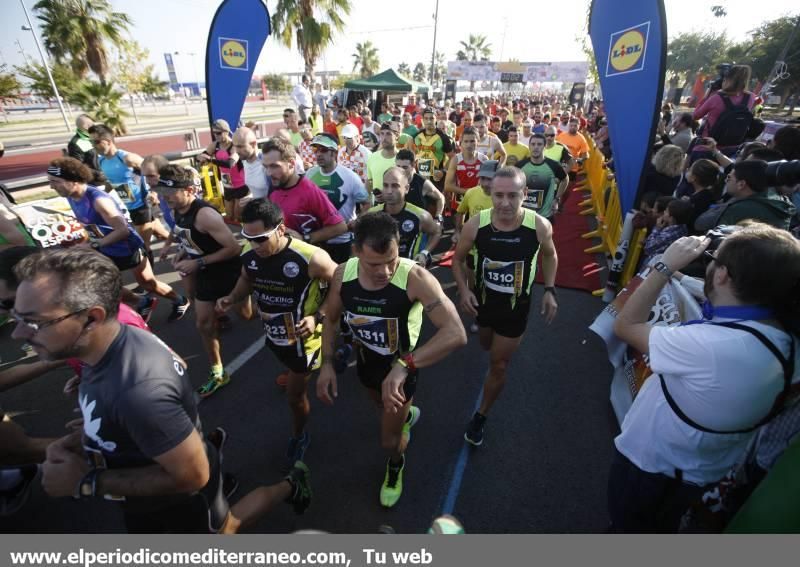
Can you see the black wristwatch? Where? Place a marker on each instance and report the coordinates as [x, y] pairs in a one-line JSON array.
[[88, 485], [319, 318], [552, 290]]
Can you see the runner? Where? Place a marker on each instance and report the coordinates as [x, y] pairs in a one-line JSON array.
[[209, 254], [545, 180], [245, 144], [507, 241], [577, 145], [462, 172], [111, 234], [413, 221], [286, 275], [381, 297], [422, 192], [556, 150], [488, 143], [515, 150], [434, 148], [222, 154], [382, 160]]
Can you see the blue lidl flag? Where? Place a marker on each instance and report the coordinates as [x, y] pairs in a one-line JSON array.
[[238, 32], [630, 47]]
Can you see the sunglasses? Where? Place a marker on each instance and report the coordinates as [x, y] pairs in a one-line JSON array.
[[710, 257], [549, 135], [259, 238]]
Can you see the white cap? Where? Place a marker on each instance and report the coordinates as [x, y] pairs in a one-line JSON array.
[[349, 131]]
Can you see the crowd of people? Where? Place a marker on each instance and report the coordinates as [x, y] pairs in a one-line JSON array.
[[326, 235]]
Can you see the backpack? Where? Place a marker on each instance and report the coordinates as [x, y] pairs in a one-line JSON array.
[[732, 126]]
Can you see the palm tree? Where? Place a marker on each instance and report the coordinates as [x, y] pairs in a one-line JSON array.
[[404, 69], [103, 103], [310, 24], [78, 30], [152, 86], [365, 59], [419, 72], [475, 49]]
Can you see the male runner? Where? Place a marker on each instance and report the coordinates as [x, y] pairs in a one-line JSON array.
[[422, 192], [209, 254], [545, 179], [488, 143], [285, 274], [382, 160], [381, 297], [507, 239], [555, 150], [413, 221], [462, 172], [434, 147]]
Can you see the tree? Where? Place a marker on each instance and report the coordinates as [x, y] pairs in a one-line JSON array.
[[694, 52], [439, 69], [276, 83], [9, 85], [365, 59], [474, 49], [152, 86], [77, 30], [130, 68], [65, 78], [419, 72], [103, 102], [719, 11], [404, 69], [338, 81], [310, 24]]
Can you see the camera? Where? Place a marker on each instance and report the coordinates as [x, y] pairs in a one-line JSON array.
[[783, 172], [718, 234], [722, 69]]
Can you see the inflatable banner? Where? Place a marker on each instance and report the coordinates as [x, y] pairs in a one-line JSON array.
[[237, 35], [630, 47]]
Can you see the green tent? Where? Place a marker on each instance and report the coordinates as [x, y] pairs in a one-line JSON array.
[[388, 80]]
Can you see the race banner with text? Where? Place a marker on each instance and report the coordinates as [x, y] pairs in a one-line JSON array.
[[629, 38], [238, 33]]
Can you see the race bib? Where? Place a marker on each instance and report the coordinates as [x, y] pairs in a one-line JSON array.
[[425, 167], [226, 180], [279, 328], [376, 333], [503, 277], [534, 199], [124, 193]]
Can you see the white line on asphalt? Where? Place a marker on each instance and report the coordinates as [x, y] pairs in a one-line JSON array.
[[245, 355]]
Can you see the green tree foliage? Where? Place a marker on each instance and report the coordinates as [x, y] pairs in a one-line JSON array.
[[76, 31], [130, 68], [695, 52], [63, 74], [103, 102], [439, 68], [404, 69], [309, 25], [276, 83], [338, 81], [9, 85], [474, 49], [365, 59], [419, 72], [153, 86]]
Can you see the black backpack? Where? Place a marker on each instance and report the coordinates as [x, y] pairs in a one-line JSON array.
[[732, 126]]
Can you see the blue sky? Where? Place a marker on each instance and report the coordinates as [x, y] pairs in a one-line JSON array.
[[403, 32]]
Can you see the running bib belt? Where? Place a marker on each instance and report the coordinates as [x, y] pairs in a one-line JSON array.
[[279, 328], [506, 261], [409, 221], [385, 321]]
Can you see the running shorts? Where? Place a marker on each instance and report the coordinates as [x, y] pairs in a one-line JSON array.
[[128, 262], [505, 322], [142, 215], [305, 363], [339, 252], [217, 280], [237, 193], [372, 369]]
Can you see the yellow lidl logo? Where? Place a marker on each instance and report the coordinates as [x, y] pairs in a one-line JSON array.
[[627, 50], [233, 53]]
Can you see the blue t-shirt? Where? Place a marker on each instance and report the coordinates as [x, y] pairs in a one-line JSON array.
[[95, 224], [120, 175]]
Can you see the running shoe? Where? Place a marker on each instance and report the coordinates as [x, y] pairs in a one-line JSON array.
[[342, 357], [13, 499], [411, 420], [215, 382], [230, 484], [179, 310], [282, 379], [146, 307], [392, 486], [297, 447], [474, 432], [300, 480]]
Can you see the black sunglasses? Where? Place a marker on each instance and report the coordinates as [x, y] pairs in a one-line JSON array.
[[710, 257], [549, 135]]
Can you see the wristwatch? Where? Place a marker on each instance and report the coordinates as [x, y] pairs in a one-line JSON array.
[[201, 261], [664, 269], [551, 289], [87, 488], [95, 245]]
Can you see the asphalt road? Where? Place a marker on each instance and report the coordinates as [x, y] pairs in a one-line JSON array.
[[542, 468]]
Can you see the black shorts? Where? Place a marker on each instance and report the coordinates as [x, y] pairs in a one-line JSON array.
[[128, 262], [505, 322], [372, 369], [217, 280], [142, 215], [297, 363], [339, 252], [232, 194]]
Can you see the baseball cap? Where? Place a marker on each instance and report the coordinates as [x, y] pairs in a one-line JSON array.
[[349, 131], [220, 124], [392, 125], [488, 168], [325, 142]]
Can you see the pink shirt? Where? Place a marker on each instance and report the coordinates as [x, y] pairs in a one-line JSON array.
[[305, 207], [713, 106]]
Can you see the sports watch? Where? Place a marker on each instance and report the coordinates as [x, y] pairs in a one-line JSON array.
[[664, 269]]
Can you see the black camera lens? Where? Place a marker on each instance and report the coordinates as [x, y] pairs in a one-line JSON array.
[[783, 172]]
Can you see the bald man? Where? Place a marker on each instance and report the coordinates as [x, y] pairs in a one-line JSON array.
[[246, 145], [80, 146]]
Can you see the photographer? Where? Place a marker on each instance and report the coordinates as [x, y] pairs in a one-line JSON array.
[[727, 109], [714, 382]]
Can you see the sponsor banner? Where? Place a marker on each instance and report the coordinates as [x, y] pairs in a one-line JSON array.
[[630, 45], [51, 223], [514, 71], [173, 76], [238, 32]]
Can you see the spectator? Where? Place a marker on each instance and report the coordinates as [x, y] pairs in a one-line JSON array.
[[328, 124], [702, 176], [80, 146], [354, 155], [682, 131], [787, 141], [664, 171], [302, 97], [713, 382], [747, 186], [734, 86], [670, 226]]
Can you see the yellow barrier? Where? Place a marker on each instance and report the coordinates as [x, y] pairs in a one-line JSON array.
[[212, 187]]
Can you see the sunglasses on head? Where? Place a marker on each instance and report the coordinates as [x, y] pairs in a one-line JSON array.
[[259, 238]]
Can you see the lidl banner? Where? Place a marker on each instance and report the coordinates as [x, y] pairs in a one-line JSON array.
[[630, 47], [237, 35]]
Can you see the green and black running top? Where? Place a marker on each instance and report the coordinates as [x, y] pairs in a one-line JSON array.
[[385, 321], [506, 261], [285, 293], [409, 220]]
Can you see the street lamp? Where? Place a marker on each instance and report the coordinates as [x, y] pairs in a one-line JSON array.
[[29, 27]]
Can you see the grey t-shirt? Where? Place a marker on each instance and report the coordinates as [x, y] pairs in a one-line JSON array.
[[137, 402]]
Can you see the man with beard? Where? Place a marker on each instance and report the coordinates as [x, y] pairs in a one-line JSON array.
[[545, 179], [576, 143]]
